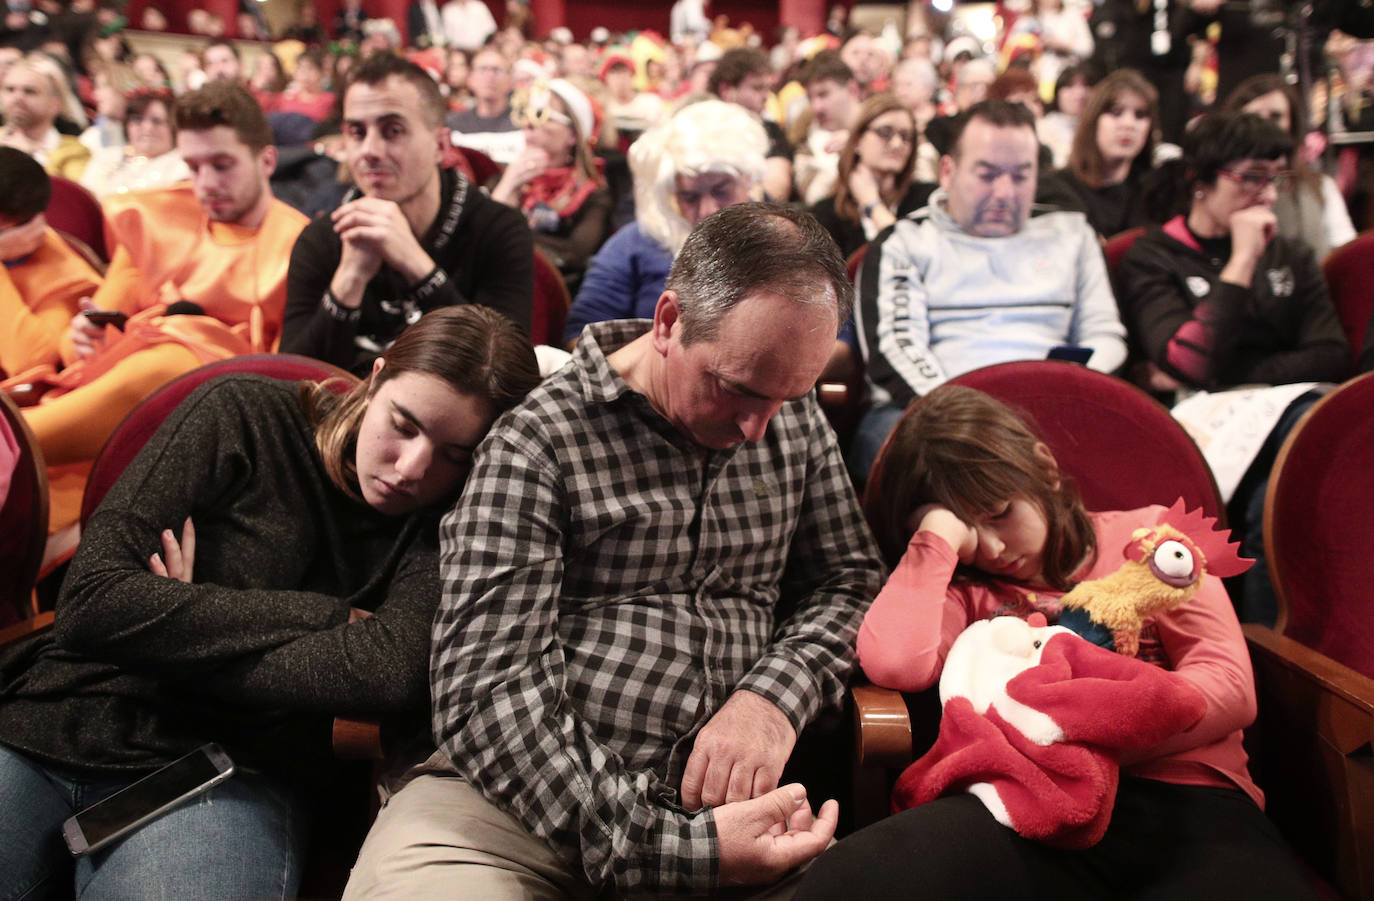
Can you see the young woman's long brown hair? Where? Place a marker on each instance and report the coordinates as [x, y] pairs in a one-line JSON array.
[[870, 109], [1085, 158], [477, 351]]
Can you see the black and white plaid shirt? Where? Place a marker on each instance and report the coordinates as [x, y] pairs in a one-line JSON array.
[[606, 587]]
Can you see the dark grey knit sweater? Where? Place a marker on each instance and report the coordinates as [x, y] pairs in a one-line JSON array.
[[257, 652]]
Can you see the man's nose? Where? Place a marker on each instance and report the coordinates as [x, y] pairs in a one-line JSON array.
[[753, 424], [1003, 187]]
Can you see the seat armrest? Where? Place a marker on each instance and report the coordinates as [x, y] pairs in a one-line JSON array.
[[357, 739], [1311, 754], [1268, 648], [882, 727], [26, 628]]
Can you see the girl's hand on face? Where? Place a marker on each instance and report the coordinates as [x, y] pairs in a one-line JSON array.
[[180, 557], [941, 520]]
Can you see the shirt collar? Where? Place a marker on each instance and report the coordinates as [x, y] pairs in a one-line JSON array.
[[599, 382]]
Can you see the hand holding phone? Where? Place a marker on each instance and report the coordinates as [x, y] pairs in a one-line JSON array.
[[107, 317], [149, 797]]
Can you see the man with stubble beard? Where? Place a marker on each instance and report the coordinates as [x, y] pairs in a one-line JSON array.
[[409, 238]]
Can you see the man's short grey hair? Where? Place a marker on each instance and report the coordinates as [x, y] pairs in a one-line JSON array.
[[753, 247]]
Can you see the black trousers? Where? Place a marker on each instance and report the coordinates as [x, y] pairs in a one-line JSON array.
[[1165, 841]]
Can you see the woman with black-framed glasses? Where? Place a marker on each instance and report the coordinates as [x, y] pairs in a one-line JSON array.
[[877, 164], [1216, 298]]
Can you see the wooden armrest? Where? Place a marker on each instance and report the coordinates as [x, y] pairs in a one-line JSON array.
[[25, 628], [832, 394], [1270, 649], [1310, 749], [357, 739], [882, 728]]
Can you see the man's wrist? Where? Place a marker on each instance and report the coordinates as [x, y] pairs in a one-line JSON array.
[[336, 310]]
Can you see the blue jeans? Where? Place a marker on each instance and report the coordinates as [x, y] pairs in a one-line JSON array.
[[244, 838], [877, 423]]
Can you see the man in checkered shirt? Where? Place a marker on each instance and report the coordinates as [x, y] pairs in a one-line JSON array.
[[652, 583]]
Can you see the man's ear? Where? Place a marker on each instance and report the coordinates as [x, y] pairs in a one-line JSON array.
[[267, 159], [443, 140], [946, 170], [667, 321], [1046, 457]]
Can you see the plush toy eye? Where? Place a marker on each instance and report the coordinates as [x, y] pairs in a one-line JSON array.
[[1173, 563]]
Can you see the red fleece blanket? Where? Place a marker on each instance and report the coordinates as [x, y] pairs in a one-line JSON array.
[[1062, 792]]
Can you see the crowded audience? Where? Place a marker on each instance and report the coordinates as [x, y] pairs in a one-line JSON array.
[[659, 575]]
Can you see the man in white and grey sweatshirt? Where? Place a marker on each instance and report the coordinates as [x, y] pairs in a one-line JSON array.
[[976, 277]]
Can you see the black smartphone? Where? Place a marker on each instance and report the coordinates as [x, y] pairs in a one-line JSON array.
[[107, 317], [1070, 354], [149, 797]]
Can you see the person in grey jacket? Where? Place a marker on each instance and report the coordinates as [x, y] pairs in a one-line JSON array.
[[974, 278]]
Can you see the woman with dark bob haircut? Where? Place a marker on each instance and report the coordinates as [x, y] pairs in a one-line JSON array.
[[1217, 298], [977, 521], [269, 560]]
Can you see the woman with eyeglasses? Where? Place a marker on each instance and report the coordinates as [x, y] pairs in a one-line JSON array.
[[1111, 153], [1312, 207], [876, 170], [1216, 298]]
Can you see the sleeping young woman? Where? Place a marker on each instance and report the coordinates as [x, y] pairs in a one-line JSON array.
[[266, 562], [971, 510]]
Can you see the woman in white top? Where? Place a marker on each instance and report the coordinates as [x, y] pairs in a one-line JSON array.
[[1311, 206]]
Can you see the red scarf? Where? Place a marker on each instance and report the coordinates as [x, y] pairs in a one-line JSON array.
[[562, 190]]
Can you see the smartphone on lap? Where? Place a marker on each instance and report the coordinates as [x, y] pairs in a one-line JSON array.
[[153, 795]]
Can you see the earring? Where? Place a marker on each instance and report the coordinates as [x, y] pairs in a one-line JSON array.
[[1197, 195]]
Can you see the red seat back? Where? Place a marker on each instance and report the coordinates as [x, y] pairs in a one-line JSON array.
[[551, 302], [1349, 271], [1318, 531], [143, 420], [1118, 244], [483, 167], [1121, 446], [23, 518], [74, 211], [855, 262]]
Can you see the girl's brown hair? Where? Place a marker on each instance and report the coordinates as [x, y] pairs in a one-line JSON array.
[[1085, 157], [971, 453], [477, 351], [870, 109]]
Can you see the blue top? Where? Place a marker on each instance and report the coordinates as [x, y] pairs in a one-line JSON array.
[[624, 280]]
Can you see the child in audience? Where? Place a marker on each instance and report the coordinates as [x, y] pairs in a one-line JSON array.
[[971, 510], [267, 561]]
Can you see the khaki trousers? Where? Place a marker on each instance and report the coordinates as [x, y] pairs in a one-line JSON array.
[[438, 838]]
